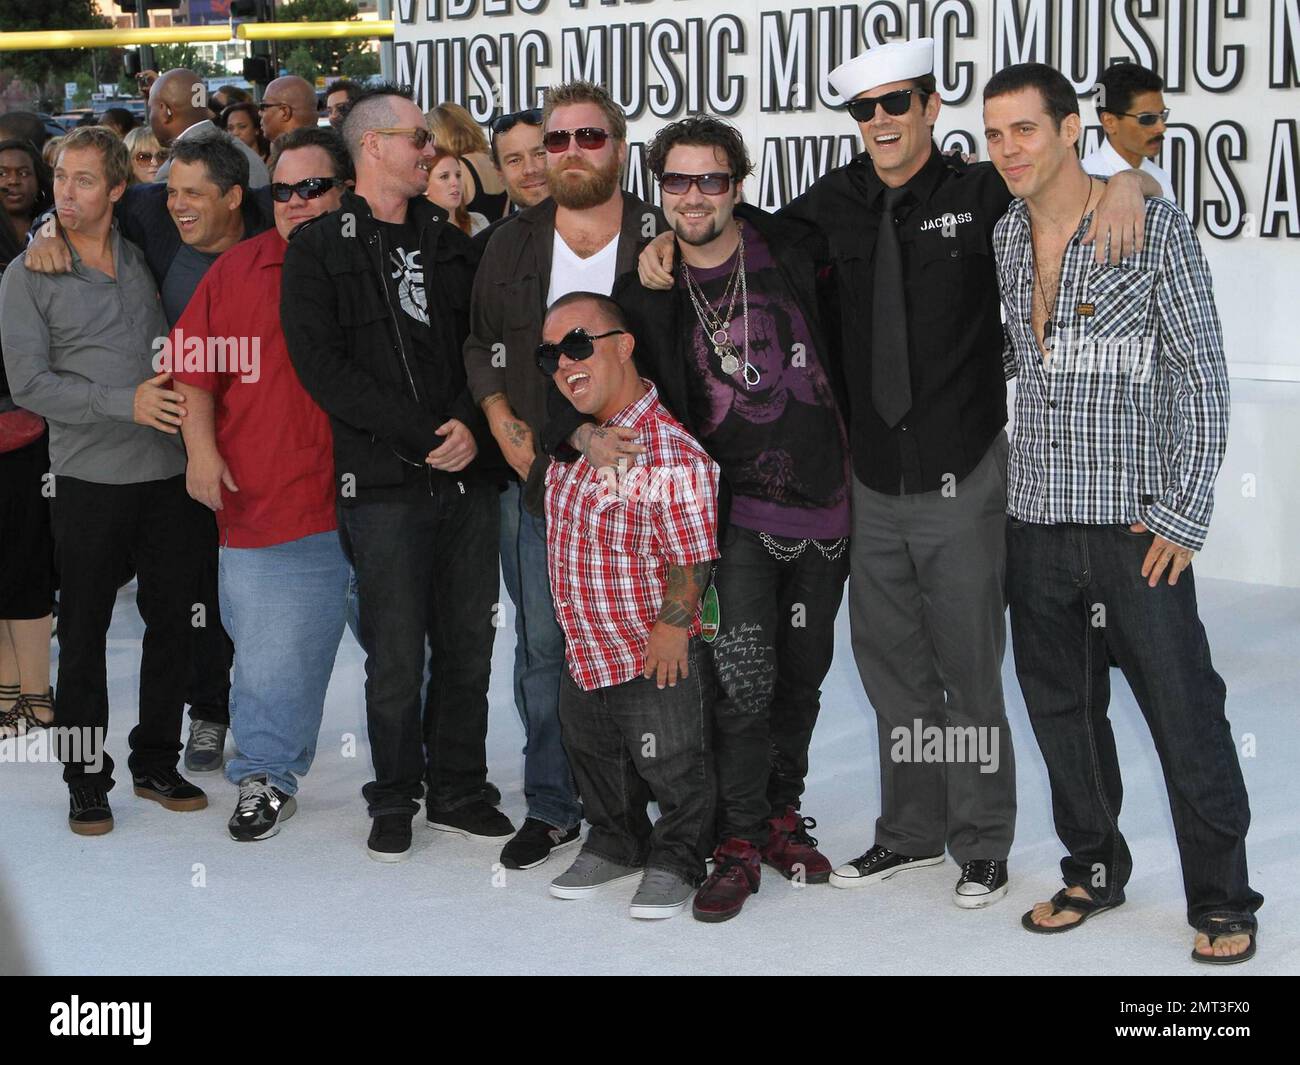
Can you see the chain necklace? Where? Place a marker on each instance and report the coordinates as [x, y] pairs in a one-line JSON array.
[[717, 325], [1049, 326]]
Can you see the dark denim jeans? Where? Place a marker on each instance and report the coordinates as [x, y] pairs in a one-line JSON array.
[[776, 639], [632, 744], [426, 568], [1076, 592]]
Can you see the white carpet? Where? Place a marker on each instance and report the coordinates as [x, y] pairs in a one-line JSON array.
[[170, 893]]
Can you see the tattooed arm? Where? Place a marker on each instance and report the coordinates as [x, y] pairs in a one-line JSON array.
[[511, 432], [666, 653]]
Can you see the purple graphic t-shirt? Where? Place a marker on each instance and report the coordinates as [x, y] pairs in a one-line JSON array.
[[780, 442]]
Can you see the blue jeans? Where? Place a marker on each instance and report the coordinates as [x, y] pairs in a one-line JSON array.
[[1077, 592], [426, 571], [284, 609], [539, 663]]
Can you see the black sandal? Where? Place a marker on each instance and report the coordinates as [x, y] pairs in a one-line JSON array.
[[1225, 926], [1061, 901]]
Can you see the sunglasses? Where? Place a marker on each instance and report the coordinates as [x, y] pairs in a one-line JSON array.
[[589, 139], [896, 103], [160, 156], [311, 188], [530, 117], [709, 184], [577, 345], [418, 135], [1148, 118], [265, 106]]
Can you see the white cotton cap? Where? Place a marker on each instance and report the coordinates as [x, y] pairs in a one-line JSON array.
[[899, 61]]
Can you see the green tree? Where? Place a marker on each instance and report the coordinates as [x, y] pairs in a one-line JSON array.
[[171, 56], [47, 69], [301, 62], [329, 53], [359, 65]]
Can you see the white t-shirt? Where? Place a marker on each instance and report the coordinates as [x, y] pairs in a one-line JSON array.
[[572, 273], [1106, 161]]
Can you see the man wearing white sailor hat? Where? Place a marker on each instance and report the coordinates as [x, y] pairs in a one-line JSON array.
[[909, 234]]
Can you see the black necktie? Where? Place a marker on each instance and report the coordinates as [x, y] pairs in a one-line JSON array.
[[891, 386]]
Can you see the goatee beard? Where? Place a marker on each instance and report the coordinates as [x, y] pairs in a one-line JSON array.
[[595, 187]]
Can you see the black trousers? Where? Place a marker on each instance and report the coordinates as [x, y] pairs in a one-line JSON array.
[[100, 530], [426, 568], [775, 642]]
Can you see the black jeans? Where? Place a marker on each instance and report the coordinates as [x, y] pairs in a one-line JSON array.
[[1076, 592], [100, 530], [776, 639], [426, 568], [632, 744], [212, 653]]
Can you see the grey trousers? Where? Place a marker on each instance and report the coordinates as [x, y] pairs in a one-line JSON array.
[[927, 603]]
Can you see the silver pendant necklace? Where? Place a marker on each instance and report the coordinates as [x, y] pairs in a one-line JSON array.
[[717, 326]]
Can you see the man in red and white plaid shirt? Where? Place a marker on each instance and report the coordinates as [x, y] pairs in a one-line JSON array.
[[629, 554]]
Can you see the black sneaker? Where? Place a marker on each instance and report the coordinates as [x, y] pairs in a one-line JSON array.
[[983, 881], [491, 794], [170, 790], [88, 810], [474, 820], [390, 838], [879, 863], [535, 842], [205, 750], [260, 810]]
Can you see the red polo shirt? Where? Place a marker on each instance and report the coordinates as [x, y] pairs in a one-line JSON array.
[[275, 440]]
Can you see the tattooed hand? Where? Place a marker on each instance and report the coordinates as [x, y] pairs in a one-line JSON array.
[[606, 445], [666, 653]]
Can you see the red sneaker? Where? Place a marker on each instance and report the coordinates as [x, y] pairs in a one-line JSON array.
[[792, 852], [736, 868]]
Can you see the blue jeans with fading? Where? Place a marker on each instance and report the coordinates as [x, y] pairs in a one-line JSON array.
[[284, 608], [539, 663]]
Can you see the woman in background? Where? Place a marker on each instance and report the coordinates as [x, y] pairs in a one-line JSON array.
[[447, 191], [26, 542], [146, 155], [241, 122], [455, 131]]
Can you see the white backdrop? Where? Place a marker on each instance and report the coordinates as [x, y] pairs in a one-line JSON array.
[[1232, 68], [1232, 71]]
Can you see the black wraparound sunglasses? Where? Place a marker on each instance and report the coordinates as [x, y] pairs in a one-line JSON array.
[[308, 188], [577, 345]]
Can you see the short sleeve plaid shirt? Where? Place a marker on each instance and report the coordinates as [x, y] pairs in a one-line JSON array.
[[612, 534], [1127, 420]]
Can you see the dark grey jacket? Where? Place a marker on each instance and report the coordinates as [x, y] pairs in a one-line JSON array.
[[509, 305]]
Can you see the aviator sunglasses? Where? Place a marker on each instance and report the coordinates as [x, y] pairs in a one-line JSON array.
[[589, 138]]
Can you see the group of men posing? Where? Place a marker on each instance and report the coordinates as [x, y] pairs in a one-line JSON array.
[[684, 429]]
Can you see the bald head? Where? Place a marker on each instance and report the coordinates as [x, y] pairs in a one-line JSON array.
[[177, 100], [288, 103]]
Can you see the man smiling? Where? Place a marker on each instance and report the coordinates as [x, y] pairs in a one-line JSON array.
[[628, 561]]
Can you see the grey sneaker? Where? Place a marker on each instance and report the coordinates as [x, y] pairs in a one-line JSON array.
[[589, 873], [661, 894], [205, 750]]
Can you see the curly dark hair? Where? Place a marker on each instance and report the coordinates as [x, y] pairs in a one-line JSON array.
[[700, 130]]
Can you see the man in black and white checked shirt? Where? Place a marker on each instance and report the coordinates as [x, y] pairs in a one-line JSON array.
[[1121, 422]]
